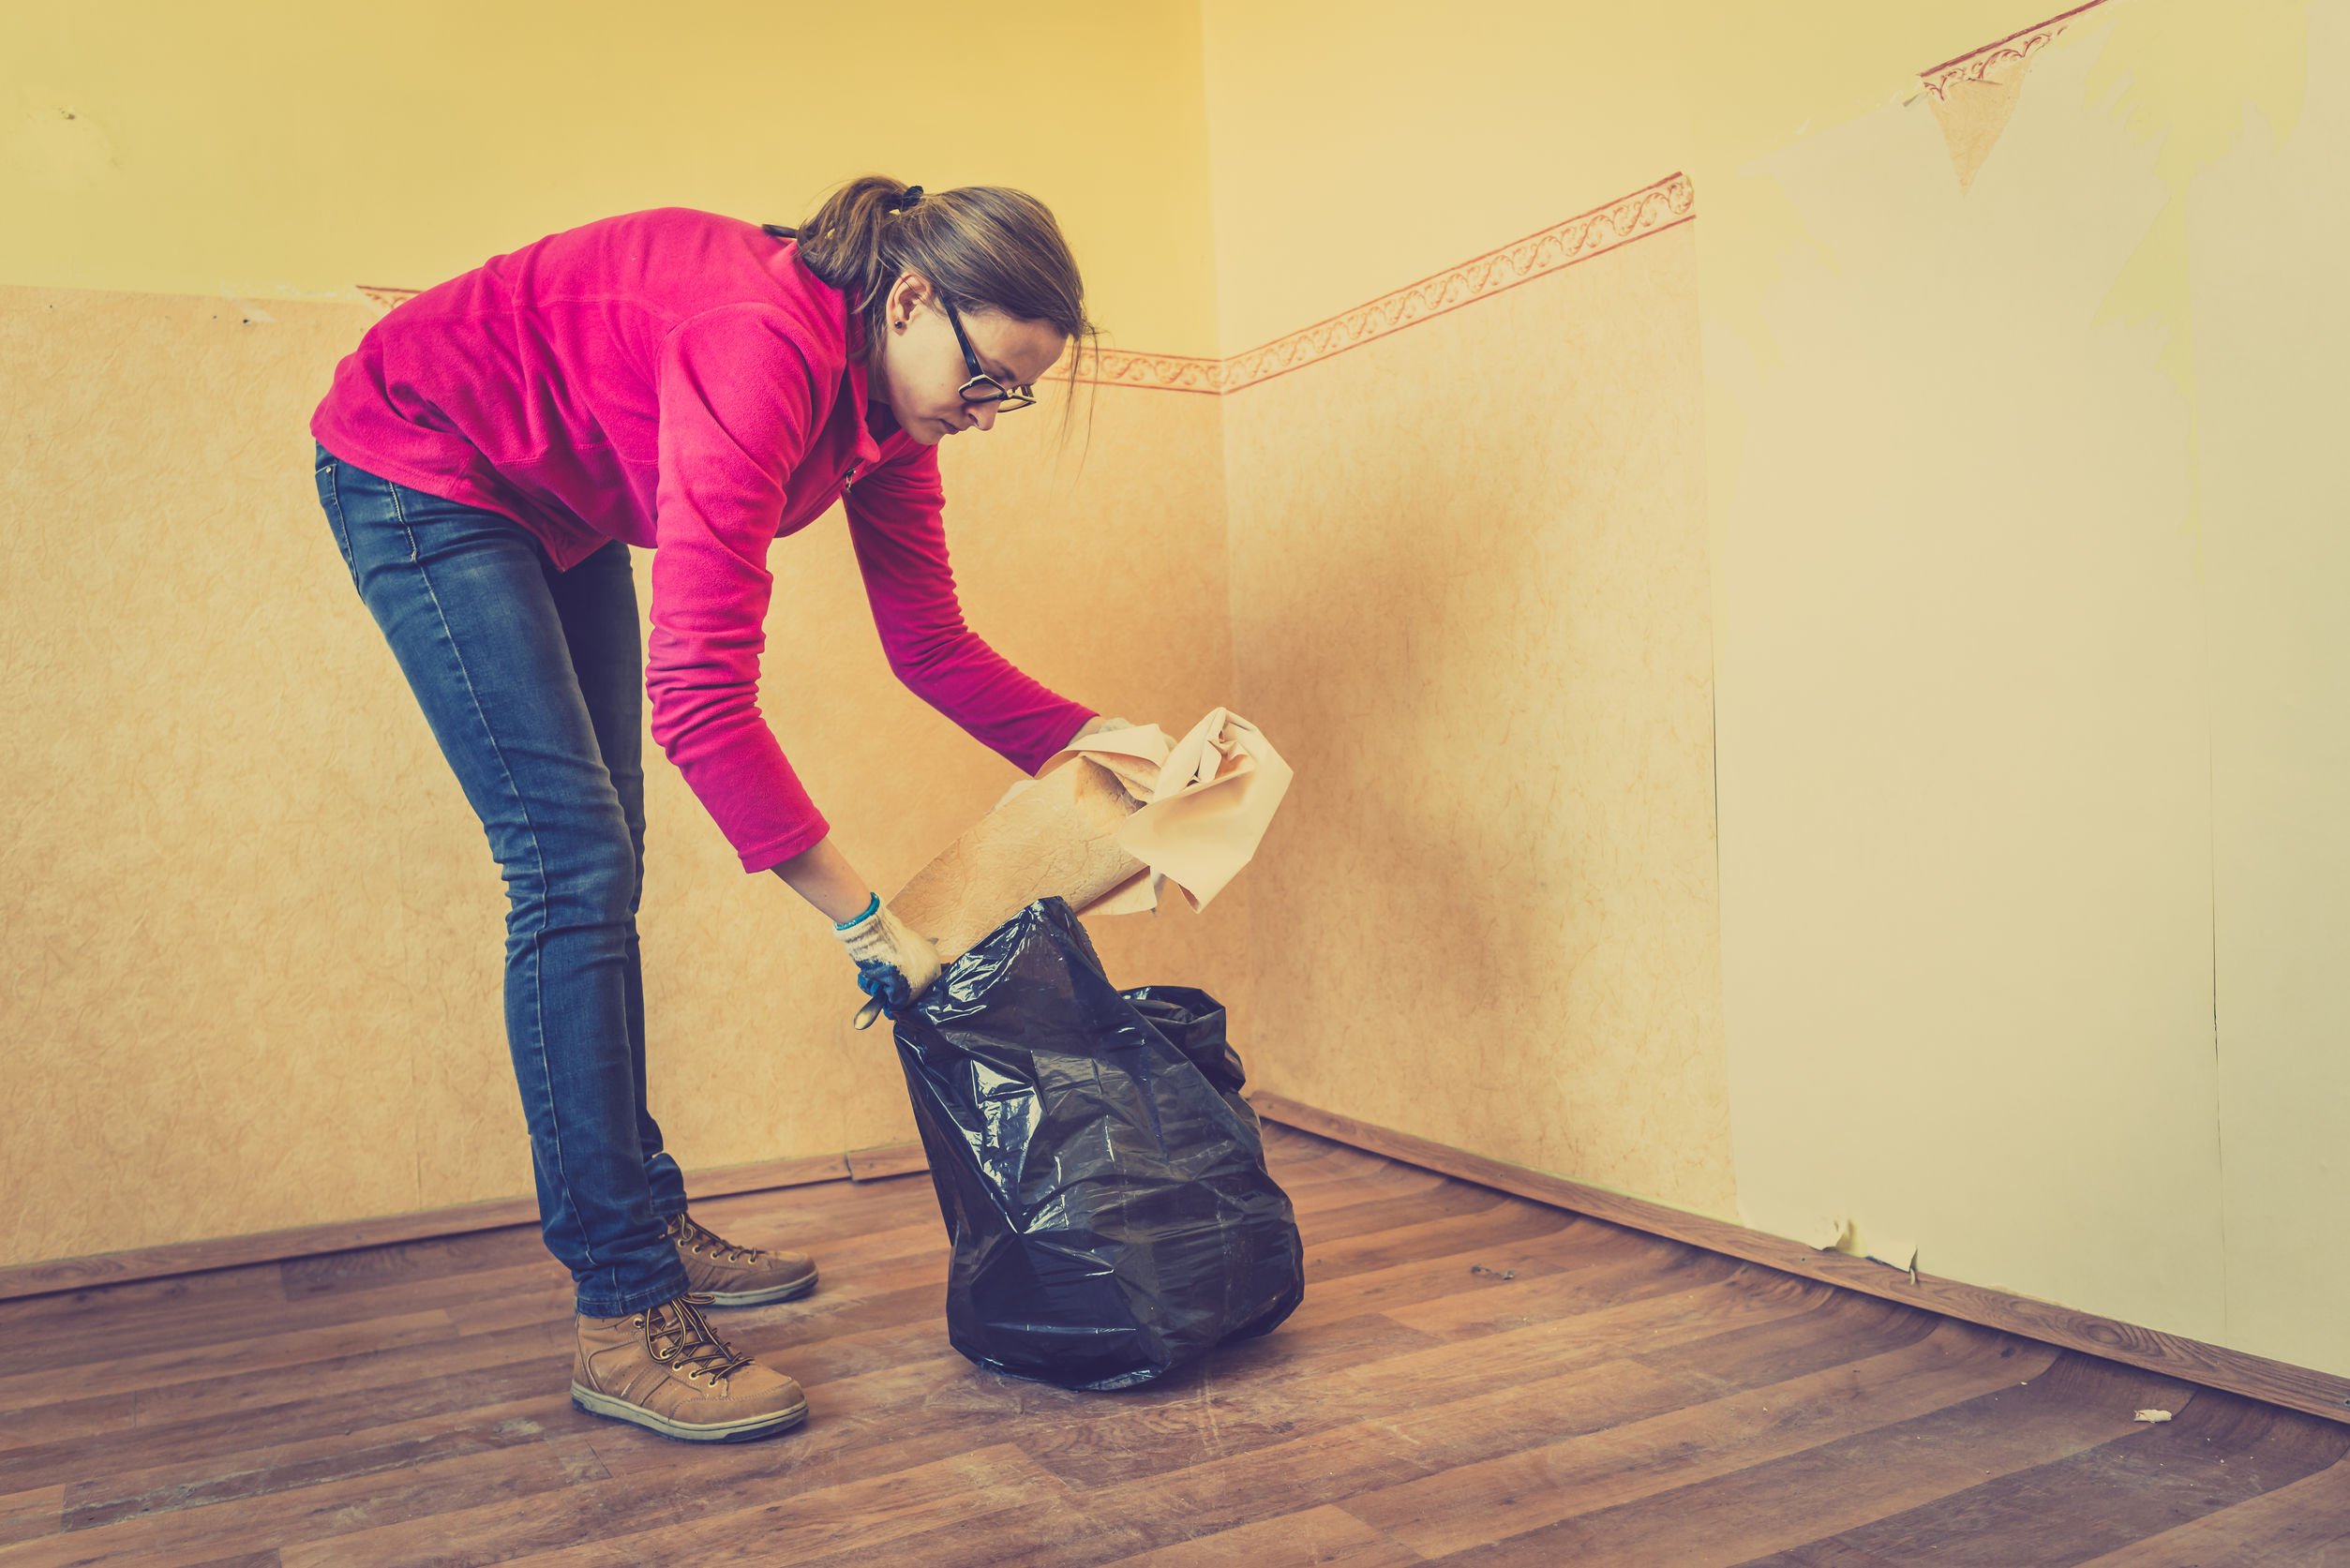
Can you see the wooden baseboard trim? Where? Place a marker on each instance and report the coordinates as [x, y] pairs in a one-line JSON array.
[[2240, 1372], [2278, 1383], [889, 1159], [306, 1241]]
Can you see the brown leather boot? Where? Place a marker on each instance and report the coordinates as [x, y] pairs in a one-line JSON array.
[[732, 1275], [662, 1368]]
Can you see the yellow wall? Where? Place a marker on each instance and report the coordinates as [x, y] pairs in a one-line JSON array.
[[1826, 714], [1469, 584], [252, 973], [2271, 331], [252, 978], [1964, 759], [288, 150], [2021, 545]]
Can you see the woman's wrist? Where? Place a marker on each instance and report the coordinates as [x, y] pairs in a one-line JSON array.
[[823, 876]]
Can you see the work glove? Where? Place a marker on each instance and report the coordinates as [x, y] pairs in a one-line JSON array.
[[895, 964], [1095, 725]]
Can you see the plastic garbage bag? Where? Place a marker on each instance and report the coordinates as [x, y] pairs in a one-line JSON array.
[[1101, 1179]]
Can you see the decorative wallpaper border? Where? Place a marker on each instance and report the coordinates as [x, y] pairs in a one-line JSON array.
[[1159, 372], [1976, 64], [1669, 201], [1668, 204]]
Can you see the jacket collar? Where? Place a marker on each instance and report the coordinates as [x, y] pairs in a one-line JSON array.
[[868, 449], [854, 382]]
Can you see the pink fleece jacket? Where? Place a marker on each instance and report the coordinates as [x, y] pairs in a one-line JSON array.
[[680, 380]]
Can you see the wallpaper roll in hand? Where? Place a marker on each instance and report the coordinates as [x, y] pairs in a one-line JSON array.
[[1206, 802]]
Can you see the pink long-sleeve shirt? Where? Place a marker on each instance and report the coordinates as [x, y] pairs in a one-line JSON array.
[[679, 379]]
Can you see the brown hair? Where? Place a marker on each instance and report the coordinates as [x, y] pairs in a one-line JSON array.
[[983, 246]]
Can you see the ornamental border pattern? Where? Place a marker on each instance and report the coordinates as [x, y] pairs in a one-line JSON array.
[[1159, 372], [1669, 201], [1977, 63]]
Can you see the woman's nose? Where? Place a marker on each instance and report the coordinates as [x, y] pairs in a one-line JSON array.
[[983, 415]]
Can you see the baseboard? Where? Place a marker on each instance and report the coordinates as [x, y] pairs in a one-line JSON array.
[[889, 1159], [2278, 1383], [306, 1241]]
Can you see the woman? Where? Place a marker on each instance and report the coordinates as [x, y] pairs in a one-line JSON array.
[[698, 386]]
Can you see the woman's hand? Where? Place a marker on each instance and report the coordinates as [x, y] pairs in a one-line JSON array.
[[1098, 724], [895, 964]]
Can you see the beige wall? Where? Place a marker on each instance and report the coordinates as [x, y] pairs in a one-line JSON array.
[[252, 973], [1964, 757], [2029, 684], [2263, 243], [1468, 590], [288, 150], [1824, 714], [2026, 662]]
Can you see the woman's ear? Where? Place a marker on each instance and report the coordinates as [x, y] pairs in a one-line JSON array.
[[905, 293]]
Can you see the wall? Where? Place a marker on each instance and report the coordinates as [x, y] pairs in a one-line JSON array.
[[295, 151], [2001, 585], [1468, 585], [1789, 548], [252, 978], [2271, 331], [1998, 750]]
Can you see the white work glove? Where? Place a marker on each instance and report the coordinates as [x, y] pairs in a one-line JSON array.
[[895, 964]]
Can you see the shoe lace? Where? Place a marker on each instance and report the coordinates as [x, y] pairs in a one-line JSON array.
[[695, 1236], [677, 1333]]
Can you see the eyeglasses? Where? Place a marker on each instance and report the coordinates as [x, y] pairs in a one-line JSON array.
[[982, 387]]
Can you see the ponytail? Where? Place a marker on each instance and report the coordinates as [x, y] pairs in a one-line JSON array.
[[844, 245], [984, 248]]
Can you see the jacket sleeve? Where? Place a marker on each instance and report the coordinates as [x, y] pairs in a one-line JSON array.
[[895, 525], [739, 408]]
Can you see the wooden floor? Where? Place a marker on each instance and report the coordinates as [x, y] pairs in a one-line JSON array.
[[1473, 1378]]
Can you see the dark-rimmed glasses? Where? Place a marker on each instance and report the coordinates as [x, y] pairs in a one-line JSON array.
[[988, 389]]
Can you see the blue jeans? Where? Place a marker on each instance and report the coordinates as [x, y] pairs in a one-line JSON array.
[[532, 680]]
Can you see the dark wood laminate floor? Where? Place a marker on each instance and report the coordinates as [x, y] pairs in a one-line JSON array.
[[1473, 1378]]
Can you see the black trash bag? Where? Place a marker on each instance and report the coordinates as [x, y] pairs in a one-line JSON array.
[[1102, 1181]]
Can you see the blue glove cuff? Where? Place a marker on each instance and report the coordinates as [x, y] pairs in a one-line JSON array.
[[865, 915], [885, 984]]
